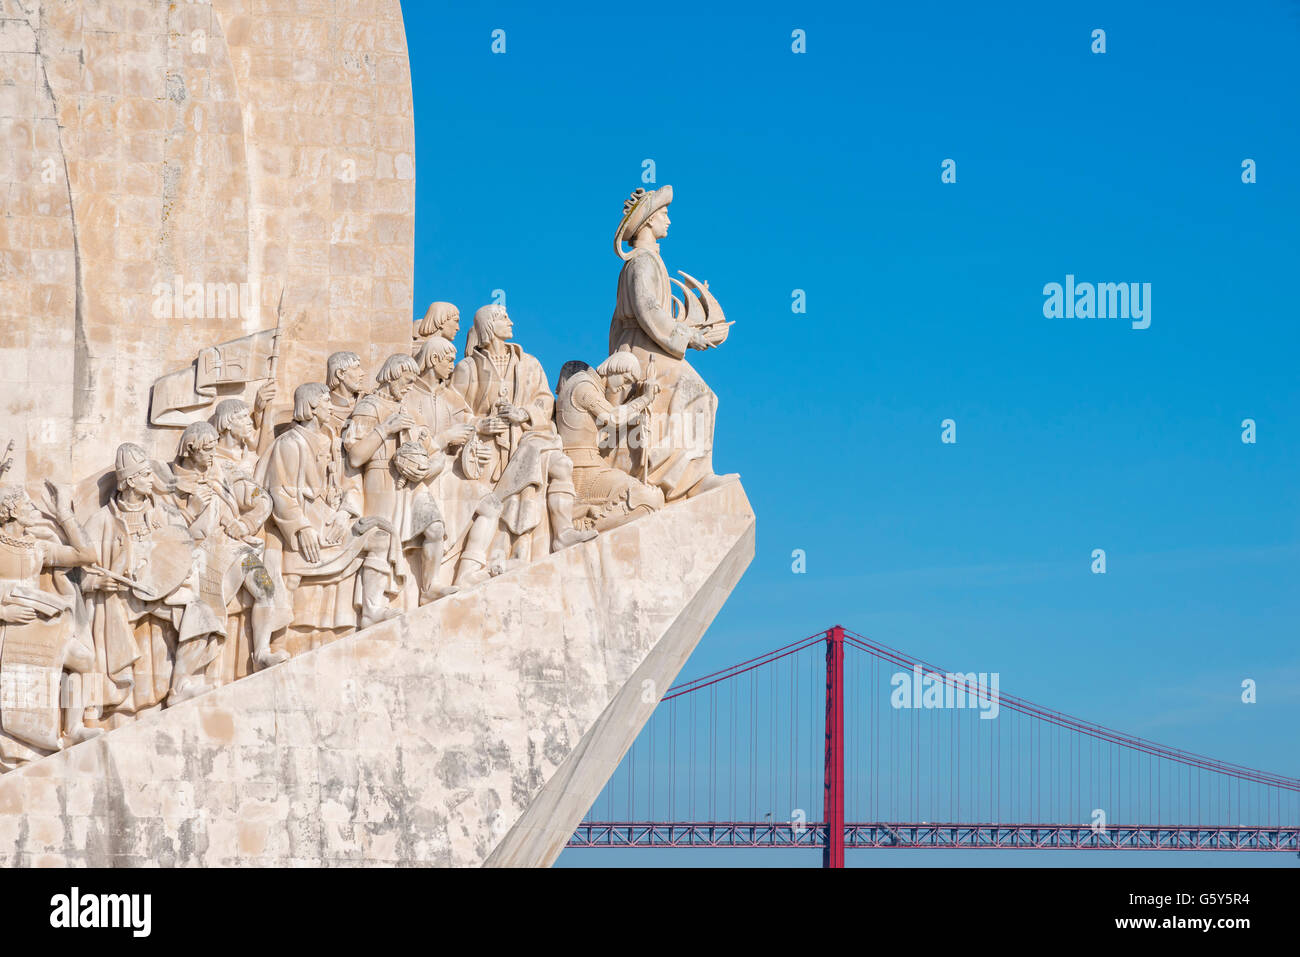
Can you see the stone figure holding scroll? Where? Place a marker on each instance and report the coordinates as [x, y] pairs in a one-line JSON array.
[[650, 321], [46, 663]]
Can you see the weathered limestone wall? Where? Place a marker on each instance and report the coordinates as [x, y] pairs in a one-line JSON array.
[[38, 287], [259, 142], [325, 89], [475, 730]]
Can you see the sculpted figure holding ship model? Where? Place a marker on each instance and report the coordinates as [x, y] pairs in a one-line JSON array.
[[370, 502]]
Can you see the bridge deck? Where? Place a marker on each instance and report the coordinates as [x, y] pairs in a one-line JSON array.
[[939, 835]]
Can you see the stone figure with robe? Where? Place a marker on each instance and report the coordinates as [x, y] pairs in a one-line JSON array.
[[340, 569], [400, 458], [47, 661], [436, 404], [650, 321], [530, 474], [226, 510], [346, 380], [236, 457], [146, 592]]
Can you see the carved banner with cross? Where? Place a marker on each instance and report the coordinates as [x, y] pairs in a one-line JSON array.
[[181, 397]]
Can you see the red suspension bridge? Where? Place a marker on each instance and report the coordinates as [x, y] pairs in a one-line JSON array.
[[893, 752]]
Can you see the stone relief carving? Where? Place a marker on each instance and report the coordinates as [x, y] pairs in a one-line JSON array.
[[276, 527], [507, 389], [341, 569], [153, 631], [658, 328], [400, 458], [226, 509], [600, 427], [44, 652], [440, 319], [226, 369]]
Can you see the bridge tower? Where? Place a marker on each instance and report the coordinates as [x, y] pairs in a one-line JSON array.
[[833, 797]]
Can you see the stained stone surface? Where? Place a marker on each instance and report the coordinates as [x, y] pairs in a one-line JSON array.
[[268, 143], [261, 152], [475, 730]]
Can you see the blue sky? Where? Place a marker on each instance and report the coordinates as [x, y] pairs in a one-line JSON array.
[[821, 172]]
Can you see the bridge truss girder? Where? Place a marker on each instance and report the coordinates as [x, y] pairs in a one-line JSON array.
[[939, 835]]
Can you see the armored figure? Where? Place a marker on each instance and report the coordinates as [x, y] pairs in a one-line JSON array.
[[598, 422], [46, 662]]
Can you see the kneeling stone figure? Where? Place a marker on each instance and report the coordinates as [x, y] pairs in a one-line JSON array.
[[593, 415]]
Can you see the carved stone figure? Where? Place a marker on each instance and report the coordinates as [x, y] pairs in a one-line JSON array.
[[596, 418], [441, 319], [221, 369], [401, 457], [149, 615], [346, 380], [225, 512], [45, 657], [657, 326], [437, 405], [368, 500], [435, 402], [236, 449], [507, 389], [340, 569]]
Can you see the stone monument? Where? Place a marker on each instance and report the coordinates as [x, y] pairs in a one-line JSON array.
[[338, 596]]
